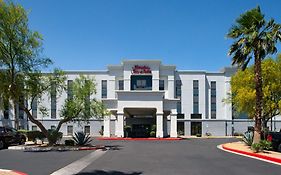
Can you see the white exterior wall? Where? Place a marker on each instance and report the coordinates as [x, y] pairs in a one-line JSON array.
[[163, 101]]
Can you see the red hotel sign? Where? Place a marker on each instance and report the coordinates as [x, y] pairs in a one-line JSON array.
[[141, 70]]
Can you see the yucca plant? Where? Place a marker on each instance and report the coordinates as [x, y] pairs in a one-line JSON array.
[[81, 139], [248, 138]]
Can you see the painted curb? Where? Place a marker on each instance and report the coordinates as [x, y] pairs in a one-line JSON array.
[[263, 157], [12, 171], [140, 139]]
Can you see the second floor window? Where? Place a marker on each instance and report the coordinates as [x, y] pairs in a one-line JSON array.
[[195, 96], [34, 107], [161, 85], [178, 89], [6, 109], [53, 101], [213, 100], [69, 89], [121, 84], [104, 89]]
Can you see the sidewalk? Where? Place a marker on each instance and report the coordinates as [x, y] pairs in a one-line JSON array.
[[242, 149], [136, 139]]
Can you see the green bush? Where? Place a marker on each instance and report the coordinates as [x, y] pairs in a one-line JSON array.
[[69, 142], [265, 145], [256, 147], [55, 136], [248, 138], [32, 135], [152, 134], [81, 139], [153, 128], [127, 131], [198, 135]]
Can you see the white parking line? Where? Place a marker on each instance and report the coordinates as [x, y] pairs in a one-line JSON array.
[[79, 165]]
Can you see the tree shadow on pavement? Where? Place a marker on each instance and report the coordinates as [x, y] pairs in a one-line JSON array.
[[101, 172], [113, 147]]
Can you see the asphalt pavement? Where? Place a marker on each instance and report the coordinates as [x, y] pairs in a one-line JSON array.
[[192, 157]]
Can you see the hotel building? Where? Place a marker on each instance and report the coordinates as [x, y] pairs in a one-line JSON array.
[[143, 93]]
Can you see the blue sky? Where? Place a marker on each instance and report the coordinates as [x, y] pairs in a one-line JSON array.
[[90, 34]]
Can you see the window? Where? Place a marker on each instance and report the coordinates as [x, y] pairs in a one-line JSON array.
[[21, 103], [178, 88], [6, 109], [141, 82], [179, 107], [53, 101], [104, 89], [196, 116], [213, 100], [87, 130], [34, 107], [70, 89], [34, 128], [161, 85], [69, 130], [121, 84], [195, 96], [53, 127]]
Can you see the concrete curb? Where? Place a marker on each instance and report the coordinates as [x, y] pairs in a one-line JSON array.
[[47, 149], [140, 139], [274, 160], [12, 172]]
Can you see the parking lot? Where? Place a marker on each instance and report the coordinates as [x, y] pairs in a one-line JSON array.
[[194, 156]]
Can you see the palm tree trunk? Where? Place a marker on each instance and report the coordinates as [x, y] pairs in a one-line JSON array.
[[258, 88]]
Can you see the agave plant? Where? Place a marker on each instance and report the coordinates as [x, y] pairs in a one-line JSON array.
[[81, 139], [248, 138]]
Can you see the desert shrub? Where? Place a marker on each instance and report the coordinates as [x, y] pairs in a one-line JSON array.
[[81, 139], [265, 145], [153, 128], [55, 136], [256, 147], [248, 138], [127, 130], [152, 134], [69, 142], [32, 135]]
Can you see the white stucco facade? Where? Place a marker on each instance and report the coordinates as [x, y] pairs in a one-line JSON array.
[[143, 93]]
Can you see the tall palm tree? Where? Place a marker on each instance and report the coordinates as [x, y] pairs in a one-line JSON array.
[[254, 37]]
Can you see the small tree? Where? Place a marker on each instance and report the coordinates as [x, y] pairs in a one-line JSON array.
[[20, 53], [243, 90], [80, 107]]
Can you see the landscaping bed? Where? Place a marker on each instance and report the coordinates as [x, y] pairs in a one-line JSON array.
[[242, 148]]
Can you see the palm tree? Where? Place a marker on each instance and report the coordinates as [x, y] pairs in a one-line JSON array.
[[254, 37]]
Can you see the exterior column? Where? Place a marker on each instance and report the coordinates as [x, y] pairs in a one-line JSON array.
[[173, 130], [119, 130], [159, 125], [106, 126]]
